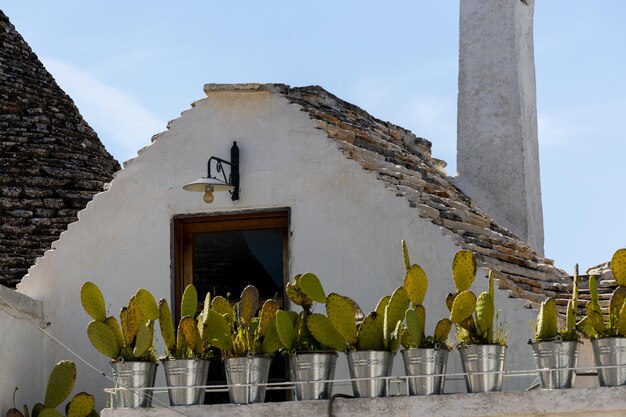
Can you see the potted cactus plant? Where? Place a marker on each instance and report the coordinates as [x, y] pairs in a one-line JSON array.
[[129, 345], [481, 343], [424, 357], [556, 349], [312, 364], [60, 384], [608, 338], [370, 342], [187, 351], [246, 340]]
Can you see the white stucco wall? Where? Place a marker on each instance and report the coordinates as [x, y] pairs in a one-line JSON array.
[[345, 225], [23, 348], [497, 145]]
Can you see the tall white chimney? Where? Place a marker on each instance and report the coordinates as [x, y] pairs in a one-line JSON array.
[[497, 147]]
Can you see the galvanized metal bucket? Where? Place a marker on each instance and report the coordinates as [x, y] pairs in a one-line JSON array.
[[186, 373], [132, 375], [313, 373], [610, 351], [428, 366], [248, 372], [370, 365], [557, 356], [483, 366]]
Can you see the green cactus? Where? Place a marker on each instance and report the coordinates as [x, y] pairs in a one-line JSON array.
[[324, 331], [166, 325], [60, 383], [370, 333], [547, 328], [442, 330], [473, 316], [311, 286], [189, 301], [416, 284], [593, 324], [341, 312], [394, 313], [114, 340], [463, 270], [405, 254], [238, 330]]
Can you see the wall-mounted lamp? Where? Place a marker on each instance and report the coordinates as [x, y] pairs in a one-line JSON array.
[[210, 183]]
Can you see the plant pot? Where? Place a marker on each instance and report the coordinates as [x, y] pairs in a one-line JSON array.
[[127, 374], [185, 373], [561, 358], [428, 367], [610, 351], [370, 367], [483, 366], [248, 372], [313, 373]]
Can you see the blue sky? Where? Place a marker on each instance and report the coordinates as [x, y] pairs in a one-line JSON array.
[[133, 66]]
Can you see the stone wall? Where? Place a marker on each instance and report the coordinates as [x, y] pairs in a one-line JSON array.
[[51, 161]]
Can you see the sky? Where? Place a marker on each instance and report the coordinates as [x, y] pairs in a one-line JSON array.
[[132, 66]]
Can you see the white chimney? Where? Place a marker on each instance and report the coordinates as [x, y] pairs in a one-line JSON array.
[[497, 147]]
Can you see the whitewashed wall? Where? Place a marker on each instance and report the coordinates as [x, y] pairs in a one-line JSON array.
[[22, 348], [346, 226]]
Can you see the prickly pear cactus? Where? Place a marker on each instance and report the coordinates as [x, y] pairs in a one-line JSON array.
[[60, 383], [618, 267], [323, 330], [189, 301], [93, 301], [82, 405], [370, 334], [103, 339], [405, 254], [484, 313], [463, 270], [442, 330], [547, 327], [285, 329], [394, 313], [166, 325], [416, 284], [312, 288], [341, 313], [462, 306]]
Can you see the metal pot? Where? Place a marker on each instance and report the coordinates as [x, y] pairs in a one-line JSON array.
[[483, 366], [610, 351], [313, 373], [561, 358], [248, 372], [132, 375], [372, 366], [428, 367], [186, 373]]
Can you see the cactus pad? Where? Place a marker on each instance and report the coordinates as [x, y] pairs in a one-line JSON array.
[[405, 255], [60, 383], [414, 334], [621, 322], [484, 313], [617, 300], [221, 305], [81, 405], [112, 324], [188, 329], [371, 333], [586, 327], [189, 301], [268, 312], [295, 294], [341, 312], [167, 326], [148, 305], [218, 330], [394, 312], [248, 304], [93, 301], [312, 287], [463, 269], [49, 412], [382, 305], [271, 341], [442, 330], [134, 319], [618, 266], [570, 321], [285, 329], [547, 326], [462, 307], [144, 339], [416, 284], [103, 339], [325, 333]]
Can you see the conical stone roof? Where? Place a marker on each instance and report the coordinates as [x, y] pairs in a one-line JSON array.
[[51, 161]]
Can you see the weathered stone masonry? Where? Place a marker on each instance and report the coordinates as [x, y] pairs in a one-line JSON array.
[[51, 161]]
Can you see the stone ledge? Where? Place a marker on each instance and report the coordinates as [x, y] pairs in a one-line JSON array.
[[606, 402], [24, 305]]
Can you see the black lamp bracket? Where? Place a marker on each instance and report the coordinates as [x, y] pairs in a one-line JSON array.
[[233, 178]]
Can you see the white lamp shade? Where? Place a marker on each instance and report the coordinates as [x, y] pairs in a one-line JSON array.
[[201, 184]]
